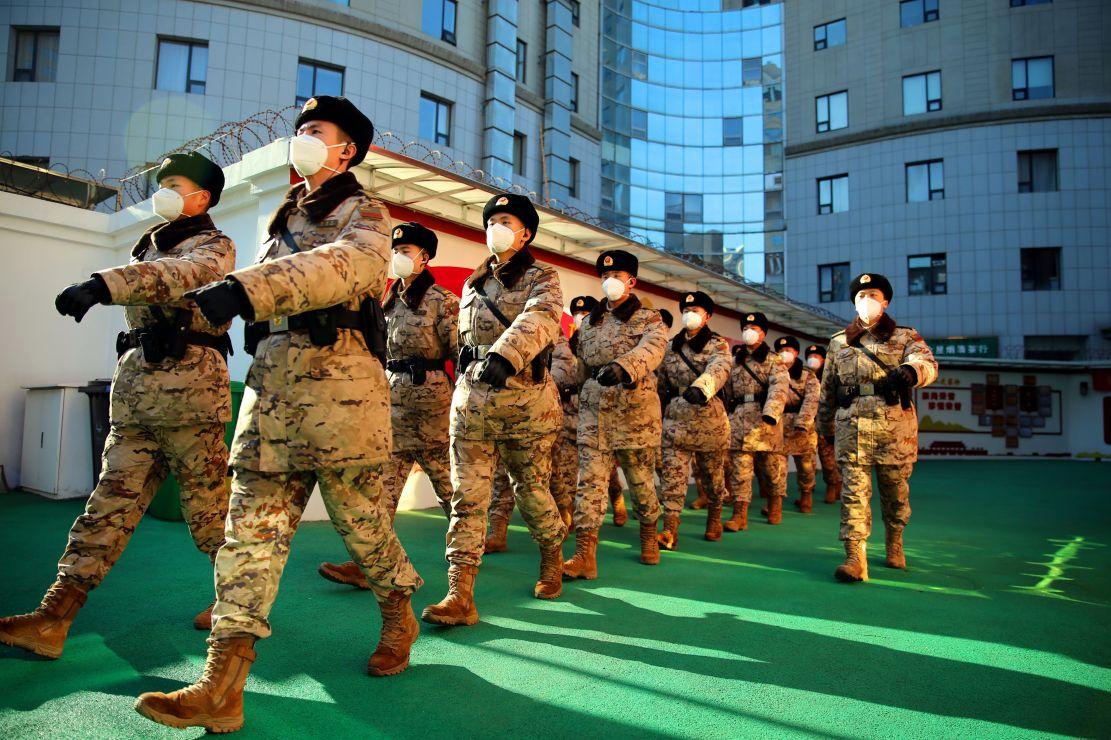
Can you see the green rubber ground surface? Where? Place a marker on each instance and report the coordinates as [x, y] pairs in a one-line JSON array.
[[1000, 627]]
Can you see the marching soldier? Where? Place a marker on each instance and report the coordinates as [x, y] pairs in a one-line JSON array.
[[758, 388], [831, 475], [501, 510], [505, 407], [170, 398], [422, 320], [621, 344], [695, 426], [317, 411], [800, 438], [867, 410]]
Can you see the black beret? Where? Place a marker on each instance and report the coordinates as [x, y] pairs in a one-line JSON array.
[[786, 343], [416, 235], [617, 259], [870, 280], [697, 298], [198, 168], [344, 114], [816, 349], [667, 317], [583, 303], [515, 205], [756, 319]]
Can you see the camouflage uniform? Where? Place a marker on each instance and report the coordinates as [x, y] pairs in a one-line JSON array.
[[869, 432], [517, 424], [755, 445], [423, 325], [800, 436], [167, 417], [620, 422], [311, 414], [698, 433]]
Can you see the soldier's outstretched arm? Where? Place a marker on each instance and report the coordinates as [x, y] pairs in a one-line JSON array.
[[827, 399], [326, 275], [535, 327], [647, 355], [779, 387], [164, 281], [716, 374], [447, 328], [811, 393], [919, 356]]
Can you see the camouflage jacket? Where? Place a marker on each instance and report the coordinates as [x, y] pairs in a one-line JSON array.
[[568, 372], [168, 261], [688, 427], [749, 432], [422, 323], [869, 432], [528, 294], [309, 407], [800, 435], [624, 416]]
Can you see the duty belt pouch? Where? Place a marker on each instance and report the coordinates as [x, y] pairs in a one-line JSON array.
[[373, 319], [322, 327]]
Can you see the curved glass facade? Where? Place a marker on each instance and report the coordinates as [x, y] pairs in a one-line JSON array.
[[692, 121]]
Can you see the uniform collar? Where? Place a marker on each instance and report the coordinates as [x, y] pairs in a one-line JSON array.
[[168, 235], [795, 371], [508, 273], [883, 330], [412, 295], [697, 343], [622, 313], [741, 352], [318, 203]]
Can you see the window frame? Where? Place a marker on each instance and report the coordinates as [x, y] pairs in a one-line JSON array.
[[448, 106], [190, 45], [824, 40], [831, 179], [829, 118], [1023, 93], [33, 72], [574, 92], [1036, 282], [932, 282], [520, 154], [316, 66], [1030, 153], [521, 69], [931, 191], [926, 94], [576, 12], [928, 7], [832, 292], [573, 175]]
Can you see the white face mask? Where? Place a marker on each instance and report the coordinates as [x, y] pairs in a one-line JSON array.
[[868, 309], [750, 336], [500, 237], [168, 204], [402, 265], [814, 362], [307, 154], [691, 320], [613, 288], [788, 357], [579, 319]]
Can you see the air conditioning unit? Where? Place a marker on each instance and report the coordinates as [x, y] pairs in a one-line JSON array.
[[57, 438]]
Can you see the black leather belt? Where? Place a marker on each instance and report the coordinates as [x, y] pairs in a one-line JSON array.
[[259, 330], [408, 364], [126, 340]]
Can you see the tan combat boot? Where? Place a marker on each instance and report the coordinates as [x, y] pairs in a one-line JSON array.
[[713, 522], [855, 567], [203, 621], [346, 573], [896, 558], [775, 509], [833, 492], [668, 538], [701, 501], [620, 513], [584, 563], [43, 631], [215, 702], [567, 516], [496, 537], [649, 546], [457, 607], [739, 520], [550, 583], [805, 502], [400, 629]]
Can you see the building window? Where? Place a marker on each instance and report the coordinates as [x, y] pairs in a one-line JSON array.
[[576, 10], [926, 274], [314, 78], [520, 148], [682, 208], [1041, 268], [438, 19], [573, 185], [435, 119], [833, 282], [925, 181], [638, 63], [921, 93], [182, 66], [36, 55], [832, 111], [731, 131], [574, 92], [1032, 78], [833, 194], [829, 35], [638, 123], [522, 62], [1037, 171], [752, 71], [916, 12], [1020, 3]]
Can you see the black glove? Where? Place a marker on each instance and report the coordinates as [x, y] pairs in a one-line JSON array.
[[612, 374], [77, 299], [695, 396], [221, 302], [566, 392], [769, 420], [829, 439], [907, 375], [495, 371]]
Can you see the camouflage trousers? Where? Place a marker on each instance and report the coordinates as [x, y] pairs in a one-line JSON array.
[[856, 497], [595, 474], [806, 472], [709, 467], [135, 462], [528, 463], [831, 474], [434, 461], [263, 515], [501, 502], [770, 469], [565, 476]]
